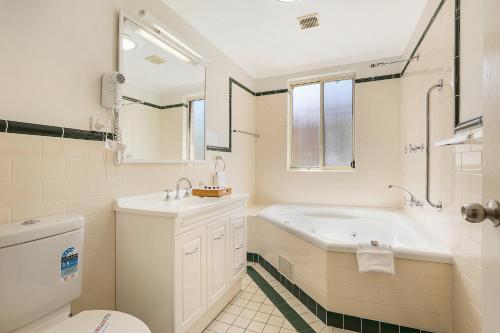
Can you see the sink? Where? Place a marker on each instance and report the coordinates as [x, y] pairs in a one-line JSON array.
[[155, 204]]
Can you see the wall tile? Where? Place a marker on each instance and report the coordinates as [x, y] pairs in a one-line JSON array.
[[4, 215], [18, 145], [23, 213], [26, 169], [20, 193], [4, 169]]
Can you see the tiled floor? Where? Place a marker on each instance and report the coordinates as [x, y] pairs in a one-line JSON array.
[[252, 312]]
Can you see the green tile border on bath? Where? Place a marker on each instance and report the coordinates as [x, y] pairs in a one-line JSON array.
[[288, 312], [330, 318]]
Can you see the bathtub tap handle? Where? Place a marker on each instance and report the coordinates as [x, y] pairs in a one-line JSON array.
[[476, 213]]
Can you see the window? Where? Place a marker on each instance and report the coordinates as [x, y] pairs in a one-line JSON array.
[[321, 125], [197, 129]]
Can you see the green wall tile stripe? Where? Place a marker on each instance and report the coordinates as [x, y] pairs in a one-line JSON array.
[[288, 312], [17, 127], [427, 28], [161, 107], [330, 318]]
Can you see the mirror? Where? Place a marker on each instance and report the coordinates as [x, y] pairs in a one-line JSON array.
[[468, 79], [162, 117]]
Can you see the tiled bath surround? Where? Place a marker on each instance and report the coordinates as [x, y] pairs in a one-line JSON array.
[[331, 319], [419, 295]]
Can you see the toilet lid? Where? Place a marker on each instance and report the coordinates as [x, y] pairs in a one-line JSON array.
[[100, 321]]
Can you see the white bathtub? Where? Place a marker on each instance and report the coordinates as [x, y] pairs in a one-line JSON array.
[[342, 228]]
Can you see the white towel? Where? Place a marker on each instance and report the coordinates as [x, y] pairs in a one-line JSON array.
[[375, 257]]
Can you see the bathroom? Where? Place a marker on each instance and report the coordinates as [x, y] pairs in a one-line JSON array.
[[352, 222]]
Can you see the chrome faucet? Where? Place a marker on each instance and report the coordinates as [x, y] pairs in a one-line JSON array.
[[413, 201], [188, 189]]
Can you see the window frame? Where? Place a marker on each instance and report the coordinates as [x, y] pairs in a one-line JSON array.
[[321, 80], [189, 131]]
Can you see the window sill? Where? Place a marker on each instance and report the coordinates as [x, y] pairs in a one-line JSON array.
[[328, 170]]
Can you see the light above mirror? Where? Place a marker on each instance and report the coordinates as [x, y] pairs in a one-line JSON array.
[[128, 43]]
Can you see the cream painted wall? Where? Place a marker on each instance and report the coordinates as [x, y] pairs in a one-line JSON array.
[[377, 145], [456, 175], [57, 51]]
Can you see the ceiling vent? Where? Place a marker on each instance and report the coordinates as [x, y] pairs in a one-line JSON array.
[[154, 59], [308, 21]]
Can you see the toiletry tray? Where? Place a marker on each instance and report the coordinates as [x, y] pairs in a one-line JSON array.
[[212, 192]]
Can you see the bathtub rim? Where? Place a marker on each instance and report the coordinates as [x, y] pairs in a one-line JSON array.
[[443, 256]]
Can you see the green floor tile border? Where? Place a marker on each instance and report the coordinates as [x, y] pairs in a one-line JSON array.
[[290, 314], [330, 318]]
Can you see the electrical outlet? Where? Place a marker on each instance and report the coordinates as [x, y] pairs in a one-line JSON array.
[[100, 125]]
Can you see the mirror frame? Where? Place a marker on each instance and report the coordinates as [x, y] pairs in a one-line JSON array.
[[476, 121], [125, 15], [227, 149]]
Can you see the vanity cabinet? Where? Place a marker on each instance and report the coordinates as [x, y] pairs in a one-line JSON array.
[[177, 272], [218, 249], [190, 270]]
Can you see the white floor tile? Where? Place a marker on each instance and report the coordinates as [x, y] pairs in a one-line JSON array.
[[233, 309], [234, 329], [253, 305], [242, 322], [267, 308], [271, 329], [227, 318], [256, 326], [276, 320], [262, 317], [219, 327], [247, 313]]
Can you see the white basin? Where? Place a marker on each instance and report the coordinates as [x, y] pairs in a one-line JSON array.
[[155, 204]]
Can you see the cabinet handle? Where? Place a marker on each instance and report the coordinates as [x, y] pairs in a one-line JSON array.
[[239, 266], [219, 237], [239, 247], [192, 252], [239, 226]]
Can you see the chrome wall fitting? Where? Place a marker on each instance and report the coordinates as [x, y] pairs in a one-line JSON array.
[[411, 148]]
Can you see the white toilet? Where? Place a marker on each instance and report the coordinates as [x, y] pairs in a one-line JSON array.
[[41, 267]]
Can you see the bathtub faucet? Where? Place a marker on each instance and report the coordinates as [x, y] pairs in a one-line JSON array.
[[413, 202]]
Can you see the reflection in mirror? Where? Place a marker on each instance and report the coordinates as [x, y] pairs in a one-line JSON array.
[[163, 113]]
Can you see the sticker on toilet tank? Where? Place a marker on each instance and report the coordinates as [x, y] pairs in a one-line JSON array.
[[69, 264]]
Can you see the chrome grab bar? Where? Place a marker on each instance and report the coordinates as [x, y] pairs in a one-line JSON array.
[[439, 204]]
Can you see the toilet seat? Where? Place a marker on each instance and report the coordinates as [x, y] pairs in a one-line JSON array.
[[100, 321]]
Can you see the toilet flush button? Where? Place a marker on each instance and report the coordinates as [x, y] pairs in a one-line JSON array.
[[30, 222]]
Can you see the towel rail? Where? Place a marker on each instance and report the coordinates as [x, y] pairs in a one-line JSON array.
[[247, 133]]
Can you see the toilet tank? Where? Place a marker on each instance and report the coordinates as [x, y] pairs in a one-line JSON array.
[[40, 268]]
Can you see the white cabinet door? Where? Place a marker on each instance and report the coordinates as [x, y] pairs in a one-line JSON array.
[[190, 278], [217, 258], [238, 245]]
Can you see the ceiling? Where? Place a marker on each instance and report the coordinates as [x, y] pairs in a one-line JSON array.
[[264, 38]]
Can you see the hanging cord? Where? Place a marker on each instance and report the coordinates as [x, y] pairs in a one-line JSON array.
[[117, 132]]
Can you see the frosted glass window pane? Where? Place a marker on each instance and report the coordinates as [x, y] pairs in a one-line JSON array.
[[197, 129], [305, 125], [337, 123]]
